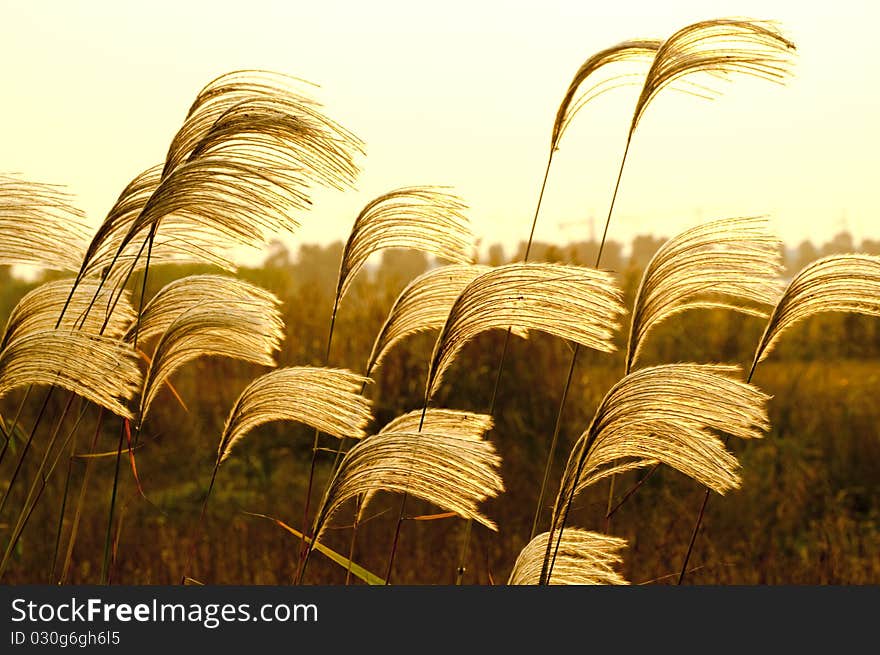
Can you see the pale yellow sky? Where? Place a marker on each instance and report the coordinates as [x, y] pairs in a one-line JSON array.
[[464, 94]]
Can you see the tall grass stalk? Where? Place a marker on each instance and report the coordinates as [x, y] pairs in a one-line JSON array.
[[36, 490], [402, 514], [304, 543], [80, 503], [461, 568], [124, 422]]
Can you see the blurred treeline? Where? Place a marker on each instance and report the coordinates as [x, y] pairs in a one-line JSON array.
[[808, 511]]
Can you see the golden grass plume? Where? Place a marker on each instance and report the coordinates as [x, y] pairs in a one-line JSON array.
[[98, 368], [737, 259], [246, 332], [584, 558], [190, 292], [239, 170], [39, 226], [423, 306], [837, 283], [323, 398], [576, 97], [423, 218], [671, 414], [572, 302], [717, 48], [455, 470], [40, 309]]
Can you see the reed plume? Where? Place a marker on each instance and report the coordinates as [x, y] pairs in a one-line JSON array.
[[39, 227], [736, 259], [669, 414], [100, 369], [249, 332], [193, 291], [323, 398], [451, 422], [584, 558], [576, 96], [717, 49], [574, 303], [39, 309], [423, 306], [456, 472], [422, 218], [238, 171], [838, 283], [180, 241]]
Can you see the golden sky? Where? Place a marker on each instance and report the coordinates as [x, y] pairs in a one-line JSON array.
[[464, 94]]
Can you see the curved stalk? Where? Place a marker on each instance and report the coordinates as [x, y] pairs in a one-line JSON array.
[[547, 568], [702, 512]]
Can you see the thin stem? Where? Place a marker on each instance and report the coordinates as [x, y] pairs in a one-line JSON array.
[[693, 537], [18, 524], [201, 520], [109, 557], [304, 547], [699, 521], [551, 453], [61, 513], [462, 557], [11, 431], [547, 567], [74, 528], [357, 517], [24, 450], [613, 510], [459, 572], [400, 517], [35, 493], [105, 567]]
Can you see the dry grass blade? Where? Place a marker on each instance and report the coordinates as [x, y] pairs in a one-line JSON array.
[[572, 302], [717, 49], [584, 558], [671, 414], [456, 472], [736, 258], [576, 96], [424, 305], [40, 308], [39, 227], [239, 170], [247, 332], [423, 218], [98, 368], [184, 294], [838, 283], [323, 398]]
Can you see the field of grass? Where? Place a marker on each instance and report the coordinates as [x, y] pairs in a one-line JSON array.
[[807, 511], [562, 415]]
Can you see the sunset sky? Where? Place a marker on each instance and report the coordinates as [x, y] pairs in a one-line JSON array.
[[463, 94]]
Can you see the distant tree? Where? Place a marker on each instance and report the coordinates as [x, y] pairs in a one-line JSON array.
[[806, 253], [278, 255], [870, 246], [496, 255], [401, 266], [841, 243], [320, 264], [642, 249]]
